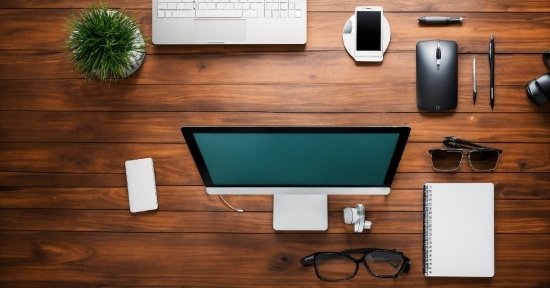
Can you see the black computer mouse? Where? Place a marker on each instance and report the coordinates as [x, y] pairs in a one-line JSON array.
[[436, 75]]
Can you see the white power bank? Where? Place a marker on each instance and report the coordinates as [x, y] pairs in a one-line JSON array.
[[142, 190]]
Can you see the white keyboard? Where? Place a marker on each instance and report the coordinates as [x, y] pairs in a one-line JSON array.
[[229, 8]]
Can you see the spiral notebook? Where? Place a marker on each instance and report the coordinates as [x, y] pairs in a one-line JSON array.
[[459, 233]]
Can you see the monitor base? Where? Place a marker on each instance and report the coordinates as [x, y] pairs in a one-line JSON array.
[[300, 212]]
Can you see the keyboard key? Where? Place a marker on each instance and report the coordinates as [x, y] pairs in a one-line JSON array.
[[261, 11], [219, 13], [298, 13], [172, 6], [160, 14], [163, 6]]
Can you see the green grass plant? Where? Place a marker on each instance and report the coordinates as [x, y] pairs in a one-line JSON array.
[[104, 43]]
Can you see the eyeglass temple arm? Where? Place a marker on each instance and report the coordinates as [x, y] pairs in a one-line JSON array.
[[453, 141]]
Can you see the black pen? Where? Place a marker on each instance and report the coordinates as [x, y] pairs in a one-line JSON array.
[[439, 19], [492, 70]]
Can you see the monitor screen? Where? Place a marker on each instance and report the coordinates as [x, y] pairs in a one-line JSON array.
[[296, 156]]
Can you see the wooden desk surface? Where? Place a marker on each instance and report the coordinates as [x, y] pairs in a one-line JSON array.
[[64, 218]]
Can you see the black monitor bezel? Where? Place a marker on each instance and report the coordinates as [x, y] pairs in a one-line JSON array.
[[188, 134]]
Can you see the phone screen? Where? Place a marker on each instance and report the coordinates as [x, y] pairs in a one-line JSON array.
[[369, 31]]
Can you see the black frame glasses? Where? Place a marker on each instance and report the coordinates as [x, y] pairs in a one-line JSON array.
[[449, 159], [372, 258]]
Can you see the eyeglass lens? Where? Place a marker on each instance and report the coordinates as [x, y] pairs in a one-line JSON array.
[[446, 160], [335, 266], [338, 267], [384, 263], [483, 160]]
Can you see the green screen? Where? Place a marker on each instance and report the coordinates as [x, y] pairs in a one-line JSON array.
[[297, 159]]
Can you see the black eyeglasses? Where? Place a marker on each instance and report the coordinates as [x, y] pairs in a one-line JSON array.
[[449, 159], [341, 266]]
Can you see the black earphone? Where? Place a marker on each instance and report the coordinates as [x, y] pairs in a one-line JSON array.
[[538, 90]]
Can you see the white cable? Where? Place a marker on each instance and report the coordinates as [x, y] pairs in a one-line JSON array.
[[237, 210]]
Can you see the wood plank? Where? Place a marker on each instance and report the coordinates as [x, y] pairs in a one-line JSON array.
[[185, 198], [288, 68], [109, 158], [157, 127], [508, 6], [81, 95], [507, 185], [519, 33], [527, 216], [198, 259]]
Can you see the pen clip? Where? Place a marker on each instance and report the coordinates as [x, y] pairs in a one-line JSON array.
[[491, 49], [475, 81]]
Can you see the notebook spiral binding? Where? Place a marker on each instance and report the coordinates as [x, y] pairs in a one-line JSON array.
[[427, 234]]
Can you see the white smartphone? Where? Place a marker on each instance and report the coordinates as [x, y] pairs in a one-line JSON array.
[[368, 31], [142, 190]]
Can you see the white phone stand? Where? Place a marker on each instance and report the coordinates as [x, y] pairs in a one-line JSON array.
[[348, 36], [356, 216]]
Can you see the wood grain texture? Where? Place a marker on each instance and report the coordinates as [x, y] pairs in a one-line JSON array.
[[77, 95], [322, 5], [159, 127], [231, 260], [64, 215], [519, 33]]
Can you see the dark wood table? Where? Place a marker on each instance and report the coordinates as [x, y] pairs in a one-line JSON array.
[[64, 217]]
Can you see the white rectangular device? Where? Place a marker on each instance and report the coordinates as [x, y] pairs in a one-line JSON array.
[[142, 191], [368, 33], [229, 22]]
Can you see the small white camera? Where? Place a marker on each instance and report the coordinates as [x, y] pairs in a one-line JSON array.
[[356, 216]]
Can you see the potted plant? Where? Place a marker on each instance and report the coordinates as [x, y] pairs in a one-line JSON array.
[[105, 44]]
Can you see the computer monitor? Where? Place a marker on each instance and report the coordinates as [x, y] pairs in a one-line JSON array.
[[300, 166]]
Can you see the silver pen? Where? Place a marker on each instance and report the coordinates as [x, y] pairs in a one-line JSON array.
[[439, 19], [475, 82]]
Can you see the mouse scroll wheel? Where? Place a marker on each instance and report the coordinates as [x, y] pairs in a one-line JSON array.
[[438, 53]]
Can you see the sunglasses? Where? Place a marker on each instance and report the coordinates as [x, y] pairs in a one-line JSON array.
[[449, 159]]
